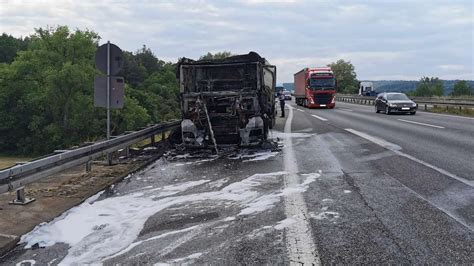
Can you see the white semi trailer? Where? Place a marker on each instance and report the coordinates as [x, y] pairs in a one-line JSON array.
[[366, 88]]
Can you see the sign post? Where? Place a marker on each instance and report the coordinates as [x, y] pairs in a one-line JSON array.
[[109, 60], [109, 155]]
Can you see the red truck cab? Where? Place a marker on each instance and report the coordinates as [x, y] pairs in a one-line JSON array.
[[315, 87]]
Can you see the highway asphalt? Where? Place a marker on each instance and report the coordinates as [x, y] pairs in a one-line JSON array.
[[348, 186]]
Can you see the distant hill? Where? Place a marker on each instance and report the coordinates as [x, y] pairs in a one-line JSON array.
[[289, 86], [398, 85]]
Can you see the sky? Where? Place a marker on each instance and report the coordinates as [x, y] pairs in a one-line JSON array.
[[384, 40]]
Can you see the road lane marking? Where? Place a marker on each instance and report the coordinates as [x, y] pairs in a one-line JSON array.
[[300, 110], [299, 239], [344, 109], [391, 146], [455, 116], [320, 118], [418, 123]]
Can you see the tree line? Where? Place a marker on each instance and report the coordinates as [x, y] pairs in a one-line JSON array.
[[46, 91], [426, 87]]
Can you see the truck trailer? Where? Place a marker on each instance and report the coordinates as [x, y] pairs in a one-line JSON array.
[[315, 87], [226, 101]]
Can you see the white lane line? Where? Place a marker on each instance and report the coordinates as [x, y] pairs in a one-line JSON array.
[[320, 118], [344, 109], [299, 239], [455, 116], [300, 110], [393, 148], [418, 123]]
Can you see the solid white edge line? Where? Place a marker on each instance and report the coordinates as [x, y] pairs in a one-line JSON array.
[[383, 143], [299, 239], [320, 118], [418, 123]]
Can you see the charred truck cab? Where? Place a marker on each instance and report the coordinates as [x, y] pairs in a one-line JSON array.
[[226, 101]]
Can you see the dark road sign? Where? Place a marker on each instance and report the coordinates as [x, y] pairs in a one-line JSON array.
[[116, 59], [116, 92]]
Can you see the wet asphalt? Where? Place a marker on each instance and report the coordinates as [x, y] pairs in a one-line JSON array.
[[366, 203]]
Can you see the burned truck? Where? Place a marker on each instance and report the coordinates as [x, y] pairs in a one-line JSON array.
[[226, 101]]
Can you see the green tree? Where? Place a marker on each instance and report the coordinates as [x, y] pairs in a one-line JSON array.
[[428, 87], [46, 93], [42, 86], [461, 88], [218, 55], [9, 47], [345, 75], [139, 66]]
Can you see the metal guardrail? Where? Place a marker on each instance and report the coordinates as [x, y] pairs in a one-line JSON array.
[[426, 103], [20, 175]]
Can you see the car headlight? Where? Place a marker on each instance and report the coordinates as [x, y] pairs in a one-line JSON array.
[[413, 104], [392, 105]]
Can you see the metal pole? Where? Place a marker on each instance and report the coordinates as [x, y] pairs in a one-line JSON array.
[[109, 155]]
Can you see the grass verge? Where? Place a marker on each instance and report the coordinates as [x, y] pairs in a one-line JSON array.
[[8, 161], [453, 111]]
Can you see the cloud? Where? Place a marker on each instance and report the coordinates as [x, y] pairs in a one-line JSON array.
[[401, 39], [452, 67]]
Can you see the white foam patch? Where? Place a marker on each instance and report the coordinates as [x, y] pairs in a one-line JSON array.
[[188, 258], [218, 183], [261, 156], [347, 191], [283, 135], [228, 219], [325, 215], [182, 156], [285, 223], [251, 155], [95, 231]]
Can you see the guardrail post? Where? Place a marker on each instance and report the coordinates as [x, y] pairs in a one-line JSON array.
[[163, 137], [21, 199], [88, 166], [127, 151], [153, 140], [426, 107], [109, 158]]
